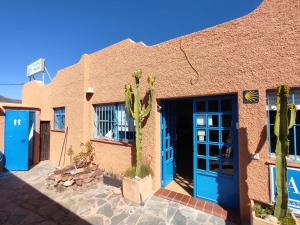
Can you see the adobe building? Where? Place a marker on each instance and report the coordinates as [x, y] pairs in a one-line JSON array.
[[202, 128]]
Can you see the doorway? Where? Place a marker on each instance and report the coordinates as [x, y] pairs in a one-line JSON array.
[[178, 123], [199, 148]]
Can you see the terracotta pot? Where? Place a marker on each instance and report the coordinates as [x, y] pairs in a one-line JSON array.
[[259, 221], [137, 190]]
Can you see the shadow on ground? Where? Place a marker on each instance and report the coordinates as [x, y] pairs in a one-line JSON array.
[[22, 204]]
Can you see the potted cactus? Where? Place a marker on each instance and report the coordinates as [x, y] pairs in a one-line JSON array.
[[265, 213], [137, 182]]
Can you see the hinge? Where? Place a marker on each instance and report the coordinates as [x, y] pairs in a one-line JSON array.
[[237, 125]]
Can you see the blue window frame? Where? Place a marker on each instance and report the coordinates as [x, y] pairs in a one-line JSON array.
[[112, 122], [59, 118], [294, 136]]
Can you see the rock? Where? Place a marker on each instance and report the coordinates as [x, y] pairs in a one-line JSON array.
[[271, 218], [93, 167], [65, 178], [76, 171], [79, 182], [88, 180], [97, 173], [69, 183]]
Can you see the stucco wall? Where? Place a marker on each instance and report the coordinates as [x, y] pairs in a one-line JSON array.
[[257, 51]]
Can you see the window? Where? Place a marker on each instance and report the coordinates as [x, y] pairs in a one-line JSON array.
[[113, 123], [294, 132], [59, 118]]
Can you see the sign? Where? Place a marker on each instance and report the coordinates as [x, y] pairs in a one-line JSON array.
[[250, 96], [36, 67], [293, 179]]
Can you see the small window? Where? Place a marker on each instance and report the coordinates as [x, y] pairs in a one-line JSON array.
[[294, 136], [59, 118], [112, 122]]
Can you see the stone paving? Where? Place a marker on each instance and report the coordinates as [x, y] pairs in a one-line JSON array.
[[25, 200]]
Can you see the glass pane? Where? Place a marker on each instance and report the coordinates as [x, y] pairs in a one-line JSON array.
[[227, 167], [214, 150], [227, 152], [200, 106], [167, 155], [213, 106], [201, 135], [226, 120], [226, 105], [298, 117], [272, 115], [213, 135], [201, 120], [201, 149], [213, 120], [273, 139], [291, 139], [226, 136], [201, 164], [214, 165]]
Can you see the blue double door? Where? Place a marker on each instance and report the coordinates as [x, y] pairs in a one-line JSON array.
[[19, 136], [215, 153]]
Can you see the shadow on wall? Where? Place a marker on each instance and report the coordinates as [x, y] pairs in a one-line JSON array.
[[246, 157], [22, 204]]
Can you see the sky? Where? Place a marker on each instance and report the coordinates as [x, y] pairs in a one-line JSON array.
[[62, 30]]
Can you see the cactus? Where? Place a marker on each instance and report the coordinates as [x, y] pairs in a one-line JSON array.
[[134, 109], [281, 130]]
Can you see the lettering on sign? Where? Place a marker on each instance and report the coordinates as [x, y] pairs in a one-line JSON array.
[[293, 178]]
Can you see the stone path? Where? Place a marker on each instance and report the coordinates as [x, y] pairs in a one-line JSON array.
[[25, 200]]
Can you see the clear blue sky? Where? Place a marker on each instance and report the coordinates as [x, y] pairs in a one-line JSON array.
[[62, 30]]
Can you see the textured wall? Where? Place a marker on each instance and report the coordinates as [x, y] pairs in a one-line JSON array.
[[257, 51]]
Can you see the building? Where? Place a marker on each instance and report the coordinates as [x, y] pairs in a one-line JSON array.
[[201, 78]]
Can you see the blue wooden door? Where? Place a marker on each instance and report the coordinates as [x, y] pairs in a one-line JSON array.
[[168, 134], [215, 150], [16, 139]]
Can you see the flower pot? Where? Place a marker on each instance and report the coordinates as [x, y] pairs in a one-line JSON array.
[[112, 181], [259, 221], [137, 190]]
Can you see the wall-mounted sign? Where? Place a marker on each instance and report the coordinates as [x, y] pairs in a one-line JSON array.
[[36, 67], [250, 96], [293, 179]]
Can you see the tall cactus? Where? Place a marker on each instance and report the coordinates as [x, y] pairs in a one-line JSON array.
[[281, 130], [134, 108]]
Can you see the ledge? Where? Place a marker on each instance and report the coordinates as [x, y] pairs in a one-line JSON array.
[[289, 163], [59, 131], [112, 142]]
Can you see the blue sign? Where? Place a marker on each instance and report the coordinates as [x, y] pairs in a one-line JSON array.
[[293, 178]]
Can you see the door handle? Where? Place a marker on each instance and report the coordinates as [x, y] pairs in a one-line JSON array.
[[23, 141]]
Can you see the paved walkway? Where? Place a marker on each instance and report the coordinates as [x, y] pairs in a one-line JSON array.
[[25, 200]]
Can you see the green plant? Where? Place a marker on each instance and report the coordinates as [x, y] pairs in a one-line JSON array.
[[261, 210], [283, 122], [136, 111], [86, 155], [145, 171]]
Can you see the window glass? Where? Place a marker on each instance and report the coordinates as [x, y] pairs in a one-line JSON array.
[[294, 151], [112, 122], [59, 118]]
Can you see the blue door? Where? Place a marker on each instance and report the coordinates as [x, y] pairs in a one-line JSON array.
[[168, 134], [215, 150], [16, 138]]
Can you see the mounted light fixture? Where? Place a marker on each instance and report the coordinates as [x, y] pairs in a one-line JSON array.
[[90, 90]]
